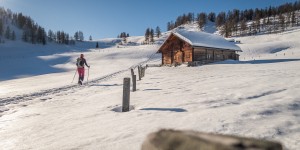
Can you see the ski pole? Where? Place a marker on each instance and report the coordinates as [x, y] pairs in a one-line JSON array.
[[88, 76], [74, 75]]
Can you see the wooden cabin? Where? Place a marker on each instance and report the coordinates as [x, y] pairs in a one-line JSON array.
[[196, 48]]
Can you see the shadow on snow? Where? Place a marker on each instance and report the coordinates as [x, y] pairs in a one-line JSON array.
[[32, 66], [269, 61], [106, 85], [166, 109], [266, 61]]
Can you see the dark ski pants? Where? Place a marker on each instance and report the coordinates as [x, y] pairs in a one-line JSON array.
[[80, 73]]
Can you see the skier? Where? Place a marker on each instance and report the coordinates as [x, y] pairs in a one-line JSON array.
[[80, 68]]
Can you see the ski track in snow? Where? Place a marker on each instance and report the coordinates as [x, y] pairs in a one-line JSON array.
[[27, 97]]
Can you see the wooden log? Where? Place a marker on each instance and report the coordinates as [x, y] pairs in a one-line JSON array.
[[191, 140]]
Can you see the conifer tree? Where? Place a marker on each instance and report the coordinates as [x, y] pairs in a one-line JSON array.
[[50, 36], [147, 33], [124, 39], [7, 33], [264, 24], [24, 36], [41, 35], [13, 36], [124, 36], [158, 32], [169, 26], [243, 26], [58, 37], [151, 35], [202, 20], [281, 21], [221, 19], [76, 36], [81, 37], [67, 39], [211, 17], [293, 19], [1, 27]]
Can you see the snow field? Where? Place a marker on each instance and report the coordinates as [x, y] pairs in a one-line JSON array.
[[256, 97]]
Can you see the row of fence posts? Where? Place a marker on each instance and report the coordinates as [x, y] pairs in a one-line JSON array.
[[126, 87]]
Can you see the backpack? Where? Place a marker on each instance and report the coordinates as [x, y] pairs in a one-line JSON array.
[[79, 62]]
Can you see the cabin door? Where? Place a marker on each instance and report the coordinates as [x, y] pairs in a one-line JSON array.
[[178, 57]]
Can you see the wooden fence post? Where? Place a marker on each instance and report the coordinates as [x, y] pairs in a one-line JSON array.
[[134, 83], [142, 72], [126, 95], [144, 69], [133, 80], [139, 70], [132, 72]]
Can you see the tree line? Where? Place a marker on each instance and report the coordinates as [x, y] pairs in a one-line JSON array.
[[244, 22], [150, 34], [31, 31], [124, 36]]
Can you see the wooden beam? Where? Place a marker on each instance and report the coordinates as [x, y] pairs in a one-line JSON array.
[[193, 54]]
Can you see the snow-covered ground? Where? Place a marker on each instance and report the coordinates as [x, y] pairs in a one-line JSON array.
[[256, 97]]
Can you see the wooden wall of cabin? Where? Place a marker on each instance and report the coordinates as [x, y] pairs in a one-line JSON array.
[[176, 51], [213, 55], [183, 53], [178, 57], [188, 52], [230, 55], [200, 54], [166, 57]]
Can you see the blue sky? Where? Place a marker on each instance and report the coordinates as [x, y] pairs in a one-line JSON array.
[[108, 18]]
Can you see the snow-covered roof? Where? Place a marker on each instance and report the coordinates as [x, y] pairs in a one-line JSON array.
[[203, 39]]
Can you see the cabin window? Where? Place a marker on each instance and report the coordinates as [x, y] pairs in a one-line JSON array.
[[209, 56]]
